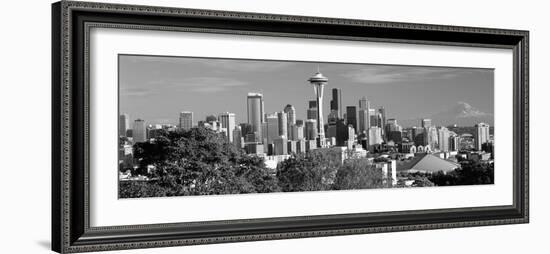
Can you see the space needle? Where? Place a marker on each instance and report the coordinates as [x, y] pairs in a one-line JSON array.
[[318, 81]]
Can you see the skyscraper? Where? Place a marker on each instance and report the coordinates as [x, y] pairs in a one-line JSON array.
[[186, 120], [373, 122], [364, 115], [310, 129], [280, 146], [351, 116], [290, 112], [336, 102], [382, 112], [139, 131], [431, 137], [238, 141], [123, 124], [283, 124], [375, 136], [426, 123], [481, 135], [255, 112], [227, 121], [297, 132], [443, 138], [272, 128], [364, 121], [364, 103]]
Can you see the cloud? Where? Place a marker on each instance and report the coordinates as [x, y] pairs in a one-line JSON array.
[[383, 74]]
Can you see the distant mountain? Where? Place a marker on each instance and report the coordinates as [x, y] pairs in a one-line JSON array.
[[461, 114]]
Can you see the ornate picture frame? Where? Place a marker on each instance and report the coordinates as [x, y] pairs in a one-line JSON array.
[[71, 24]]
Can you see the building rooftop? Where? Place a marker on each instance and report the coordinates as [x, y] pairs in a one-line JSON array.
[[427, 163]]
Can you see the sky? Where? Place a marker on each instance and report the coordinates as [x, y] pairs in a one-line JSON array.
[[157, 88]]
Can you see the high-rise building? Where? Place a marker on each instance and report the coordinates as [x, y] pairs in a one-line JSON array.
[[481, 135], [431, 137], [373, 118], [443, 138], [342, 134], [364, 121], [382, 112], [351, 137], [283, 124], [318, 81], [336, 102], [426, 123], [351, 116], [272, 128], [454, 142], [364, 103], [123, 124], [297, 132], [310, 131], [186, 120], [139, 131], [227, 121], [375, 136], [312, 104], [280, 146], [290, 112], [238, 140], [255, 112]]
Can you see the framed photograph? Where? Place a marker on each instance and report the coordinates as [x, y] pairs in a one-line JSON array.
[[182, 126]]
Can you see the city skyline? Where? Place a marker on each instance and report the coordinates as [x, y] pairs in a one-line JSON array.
[[150, 88]]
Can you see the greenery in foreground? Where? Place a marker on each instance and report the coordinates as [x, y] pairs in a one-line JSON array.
[[200, 162]]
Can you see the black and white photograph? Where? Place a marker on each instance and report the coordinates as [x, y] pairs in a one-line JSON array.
[[213, 126]]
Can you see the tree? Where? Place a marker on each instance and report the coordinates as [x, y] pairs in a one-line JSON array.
[[470, 173], [312, 171], [199, 161], [358, 174]]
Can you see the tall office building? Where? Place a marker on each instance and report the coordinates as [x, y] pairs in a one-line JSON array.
[[312, 104], [351, 137], [481, 135], [454, 142], [139, 131], [318, 81], [297, 132], [123, 125], [311, 112], [373, 118], [336, 102], [272, 128], [238, 140], [431, 137], [310, 131], [351, 116], [280, 146], [283, 124], [364, 121], [255, 112], [227, 121], [443, 138], [382, 112], [375, 136], [186, 120], [426, 123], [364, 103], [290, 112]]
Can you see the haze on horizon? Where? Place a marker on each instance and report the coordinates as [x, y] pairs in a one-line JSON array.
[[157, 88]]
